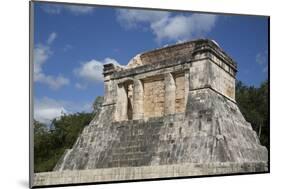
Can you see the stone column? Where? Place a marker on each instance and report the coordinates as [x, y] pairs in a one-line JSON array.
[[108, 70], [137, 100], [107, 90], [170, 94], [186, 87], [122, 103]]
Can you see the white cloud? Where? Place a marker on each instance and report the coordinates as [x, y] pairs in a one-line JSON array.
[[93, 69], [80, 86], [46, 109], [167, 26], [51, 38], [67, 47], [183, 27], [52, 8], [131, 18], [74, 9], [54, 82], [41, 55], [79, 9], [261, 59]]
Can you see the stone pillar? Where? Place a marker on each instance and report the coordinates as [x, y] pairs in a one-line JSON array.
[[186, 87], [170, 94], [107, 90], [122, 103], [137, 100], [108, 70]]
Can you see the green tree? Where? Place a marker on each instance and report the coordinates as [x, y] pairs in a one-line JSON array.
[[253, 103], [51, 142]]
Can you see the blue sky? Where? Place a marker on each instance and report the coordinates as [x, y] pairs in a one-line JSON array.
[[71, 44]]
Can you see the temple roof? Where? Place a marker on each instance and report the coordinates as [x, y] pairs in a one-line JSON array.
[[180, 51]]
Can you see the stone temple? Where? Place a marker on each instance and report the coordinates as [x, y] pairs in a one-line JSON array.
[[171, 112]]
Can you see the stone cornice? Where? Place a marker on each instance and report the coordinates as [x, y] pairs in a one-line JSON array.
[[204, 47]]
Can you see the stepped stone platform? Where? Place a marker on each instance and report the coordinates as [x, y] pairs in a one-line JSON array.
[[145, 172], [170, 112]]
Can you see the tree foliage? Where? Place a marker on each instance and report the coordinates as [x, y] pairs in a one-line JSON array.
[[50, 142], [253, 103]]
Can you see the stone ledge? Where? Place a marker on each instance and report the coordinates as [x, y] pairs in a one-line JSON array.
[[146, 172]]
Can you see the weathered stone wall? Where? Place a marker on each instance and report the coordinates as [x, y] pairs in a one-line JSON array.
[[153, 97], [172, 53], [206, 73], [199, 74], [222, 81]]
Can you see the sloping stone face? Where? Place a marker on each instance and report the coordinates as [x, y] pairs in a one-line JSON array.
[[172, 106], [212, 130]]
